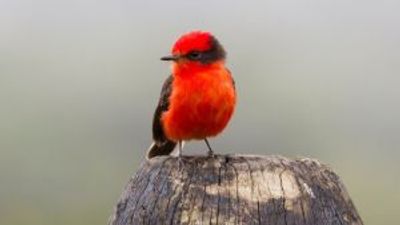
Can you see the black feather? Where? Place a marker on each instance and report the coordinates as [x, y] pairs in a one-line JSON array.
[[162, 145]]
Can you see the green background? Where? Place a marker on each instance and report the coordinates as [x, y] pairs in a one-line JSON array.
[[79, 81]]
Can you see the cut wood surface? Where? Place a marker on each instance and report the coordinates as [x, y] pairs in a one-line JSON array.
[[234, 189]]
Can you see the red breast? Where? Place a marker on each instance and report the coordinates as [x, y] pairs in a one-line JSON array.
[[201, 103]]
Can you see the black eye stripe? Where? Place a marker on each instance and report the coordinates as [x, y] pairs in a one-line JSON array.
[[194, 55], [216, 52]]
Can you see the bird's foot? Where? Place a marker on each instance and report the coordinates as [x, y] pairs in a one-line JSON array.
[[210, 154]]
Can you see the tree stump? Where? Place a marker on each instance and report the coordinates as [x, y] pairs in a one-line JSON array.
[[234, 189]]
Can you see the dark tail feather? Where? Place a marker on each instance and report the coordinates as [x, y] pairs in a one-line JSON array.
[[163, 149]]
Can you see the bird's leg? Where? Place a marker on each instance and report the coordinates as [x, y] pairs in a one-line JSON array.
[[179, 149], [210, 151]]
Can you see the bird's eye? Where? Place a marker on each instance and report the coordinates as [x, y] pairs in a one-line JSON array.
[[194, 55]]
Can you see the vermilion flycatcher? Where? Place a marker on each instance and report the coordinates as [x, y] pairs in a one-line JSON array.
[[198, 99]]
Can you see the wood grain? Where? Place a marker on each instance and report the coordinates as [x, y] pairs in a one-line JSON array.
[[234, 189]]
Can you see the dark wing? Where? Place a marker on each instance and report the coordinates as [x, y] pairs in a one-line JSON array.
[[163, 104], [161, 145]]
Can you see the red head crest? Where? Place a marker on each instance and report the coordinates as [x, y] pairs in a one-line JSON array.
[[192, 41]]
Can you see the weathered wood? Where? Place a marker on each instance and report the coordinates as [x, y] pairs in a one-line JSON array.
[[233, 189]]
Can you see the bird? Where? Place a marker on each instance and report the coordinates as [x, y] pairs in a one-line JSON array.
[[198, 99]]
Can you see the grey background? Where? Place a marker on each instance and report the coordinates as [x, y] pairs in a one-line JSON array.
[[79, 81]]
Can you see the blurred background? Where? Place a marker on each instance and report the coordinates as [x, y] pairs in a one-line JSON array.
[[79, 81]]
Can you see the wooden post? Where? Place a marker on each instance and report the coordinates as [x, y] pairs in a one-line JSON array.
[[234, 189]]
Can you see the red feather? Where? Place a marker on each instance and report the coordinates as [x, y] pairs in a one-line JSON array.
[[195, 40]]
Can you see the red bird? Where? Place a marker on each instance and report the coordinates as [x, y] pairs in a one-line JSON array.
[[198, 99]]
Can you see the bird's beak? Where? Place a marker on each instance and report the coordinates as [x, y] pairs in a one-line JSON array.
[[170, 58]]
